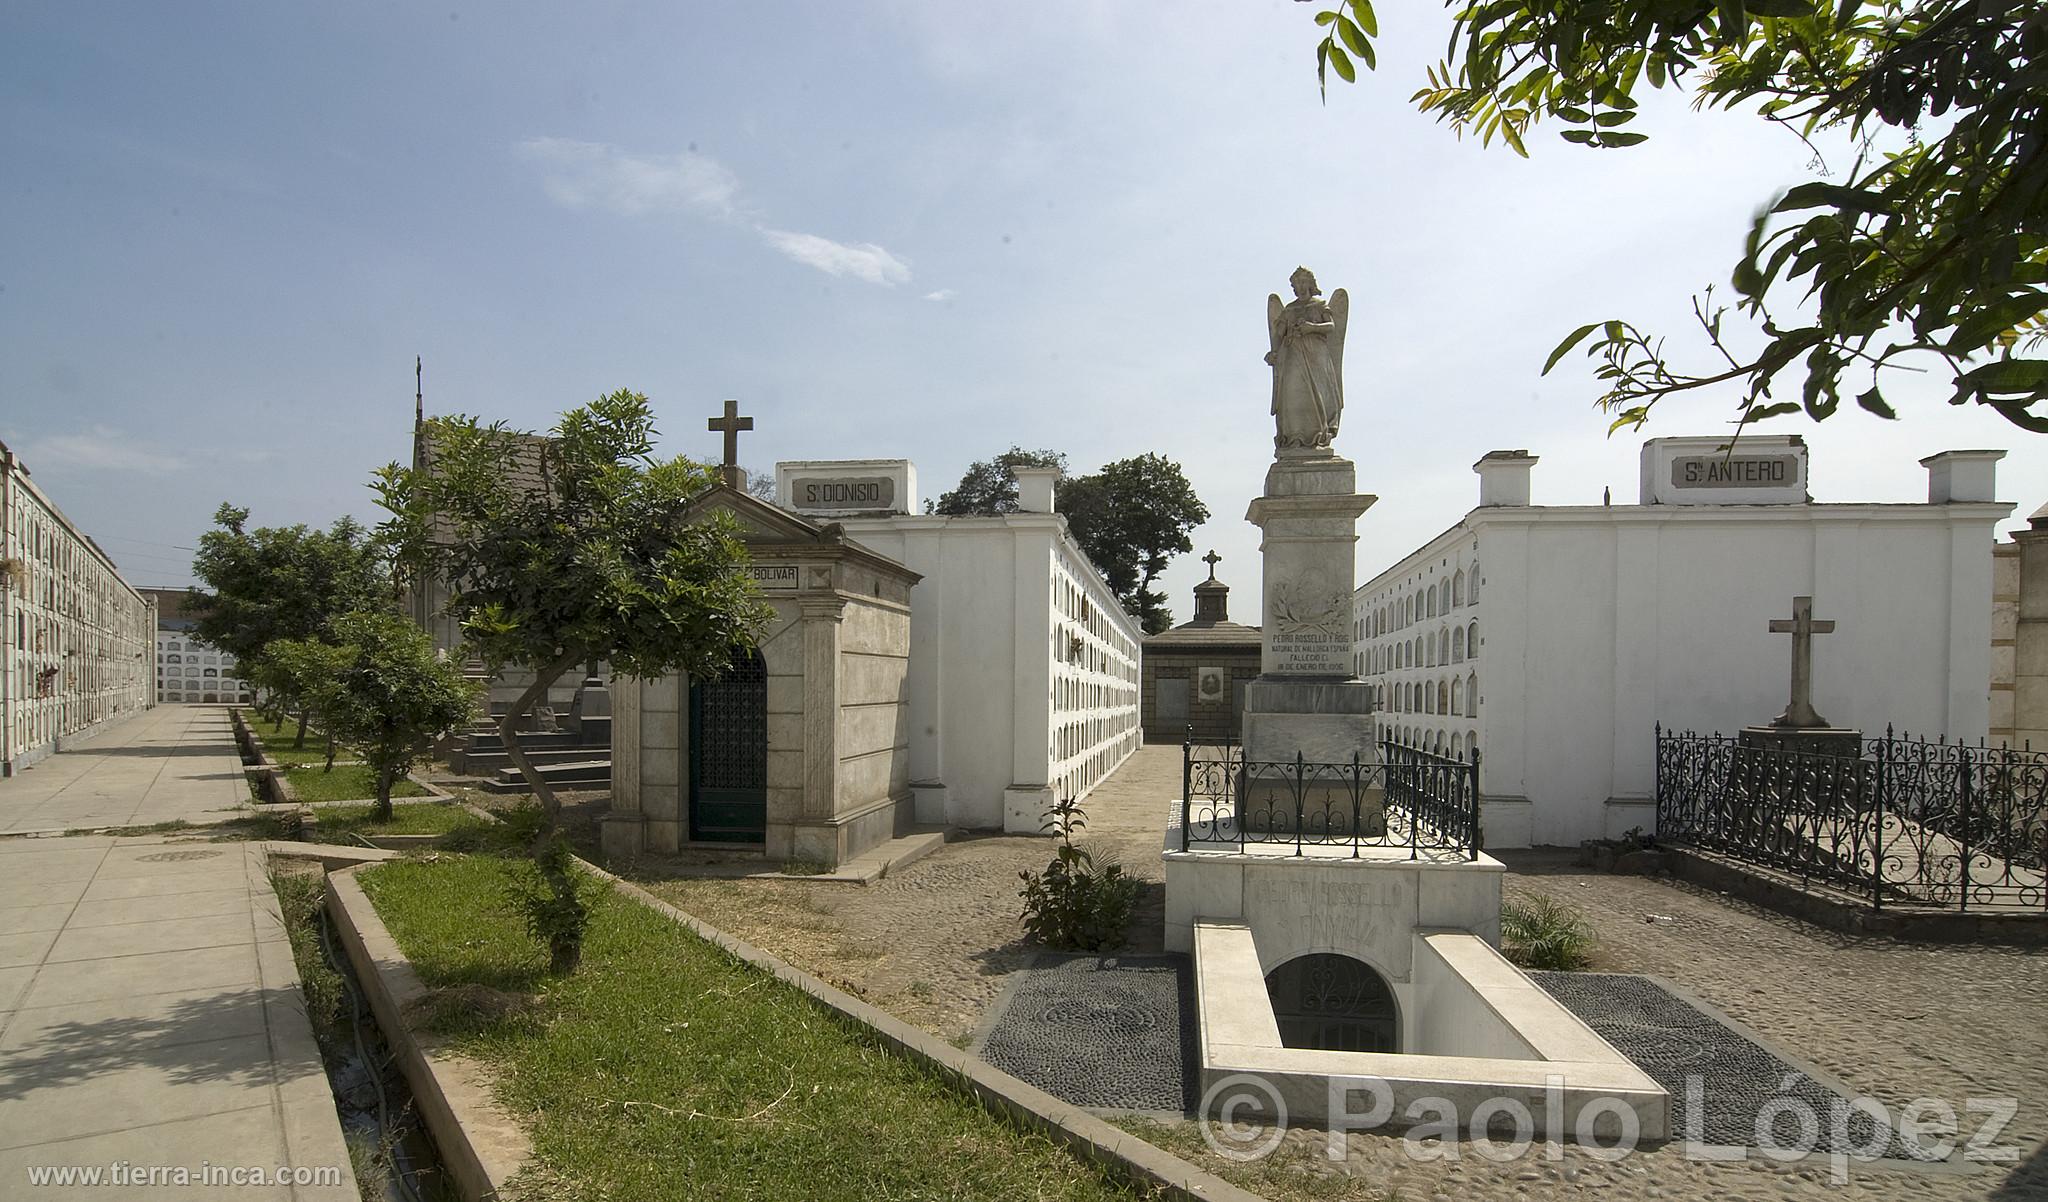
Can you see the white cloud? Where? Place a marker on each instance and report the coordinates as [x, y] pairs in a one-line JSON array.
[[943, 294], [99, 449], [594, 175], [863, 261], [597, 175]]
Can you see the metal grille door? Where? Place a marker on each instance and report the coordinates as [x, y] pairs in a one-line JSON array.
[[729, 754]]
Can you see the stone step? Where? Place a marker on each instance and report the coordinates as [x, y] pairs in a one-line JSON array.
[[580, 774], [487, 761]]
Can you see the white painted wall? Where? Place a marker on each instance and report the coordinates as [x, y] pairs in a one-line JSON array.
[[1597, 622], [1004, 713]]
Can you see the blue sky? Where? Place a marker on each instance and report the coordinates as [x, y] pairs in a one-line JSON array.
[[891, 230]]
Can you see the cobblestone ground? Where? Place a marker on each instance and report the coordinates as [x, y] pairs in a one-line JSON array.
[[936, 941]]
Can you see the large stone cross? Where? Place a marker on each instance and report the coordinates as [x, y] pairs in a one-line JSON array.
[[1802, 627], [1212, 559], [731, 425]]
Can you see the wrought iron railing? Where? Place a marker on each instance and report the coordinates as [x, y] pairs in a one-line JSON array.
[[1394, 797], [1904, 821]]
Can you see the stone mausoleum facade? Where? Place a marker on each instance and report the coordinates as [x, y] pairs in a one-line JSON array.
[[921, 671], [1552, 638]]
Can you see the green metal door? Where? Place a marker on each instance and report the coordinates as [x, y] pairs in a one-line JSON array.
[[729, 754]]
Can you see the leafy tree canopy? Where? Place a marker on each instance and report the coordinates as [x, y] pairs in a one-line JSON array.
[[989, 487], [590, 556], [1928, 251], [1130, 518], [281, 582]]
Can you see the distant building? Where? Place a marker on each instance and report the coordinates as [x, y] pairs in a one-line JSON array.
[[77, 636], [187, 670], [1195, 673], [1552, 638]]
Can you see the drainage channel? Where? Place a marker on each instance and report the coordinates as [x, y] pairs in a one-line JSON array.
[[371, 1095]]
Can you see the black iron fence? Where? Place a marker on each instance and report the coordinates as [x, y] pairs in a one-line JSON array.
[[1400, 798], [1903, 821]]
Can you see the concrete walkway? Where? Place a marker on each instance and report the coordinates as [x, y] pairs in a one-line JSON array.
[[150, 1013], [168, 763]]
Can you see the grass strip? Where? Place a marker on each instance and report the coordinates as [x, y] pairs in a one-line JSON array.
[[337, 823], [348, 782], [665, 1068]]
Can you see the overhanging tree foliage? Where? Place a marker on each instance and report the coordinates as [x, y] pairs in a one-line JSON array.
[[1928, 251], [594, 557], [282, 582], [1130, 518]]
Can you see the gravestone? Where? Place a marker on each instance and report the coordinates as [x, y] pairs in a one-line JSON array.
[[1800, 727]]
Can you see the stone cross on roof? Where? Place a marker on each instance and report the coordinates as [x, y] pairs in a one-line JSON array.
[[1802, 627], [1212, 559], [731, 425]]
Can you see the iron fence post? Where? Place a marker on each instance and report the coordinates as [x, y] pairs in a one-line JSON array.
[[1963, 862], [1300, 796], [1187, 784], [1357, 805], [1884, 785], [1472, 812]]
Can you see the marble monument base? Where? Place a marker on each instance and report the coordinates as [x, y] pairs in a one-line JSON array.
[[1806, 740], [1326, 721]]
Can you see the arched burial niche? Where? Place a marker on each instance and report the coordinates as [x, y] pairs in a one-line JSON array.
[[1333, 1003]]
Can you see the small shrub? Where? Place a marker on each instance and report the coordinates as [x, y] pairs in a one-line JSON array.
[[1545, 934], [1081, 902], [805, 867], [556, 897]]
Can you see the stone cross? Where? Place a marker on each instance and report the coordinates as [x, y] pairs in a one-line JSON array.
[[1212, 559], [730, 425], [1802, 627]]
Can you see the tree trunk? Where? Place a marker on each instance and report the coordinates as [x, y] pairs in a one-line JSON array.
[[301, 740], [330, 754], [383, 795], [508, 727]]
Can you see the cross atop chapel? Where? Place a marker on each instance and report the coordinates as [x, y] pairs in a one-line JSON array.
[[1802, 626], [730, 425], [1212, 559]]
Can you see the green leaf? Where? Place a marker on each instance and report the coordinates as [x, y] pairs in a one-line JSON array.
[[1564, 348], [1615, 117], [1573, 114], [1583, 137], [1362, 10], [1821, 195], [2007, 377], [1342, 62], [1778, 410], [1324, 18], [1876, 404], [1621, 138], [1353, 38]]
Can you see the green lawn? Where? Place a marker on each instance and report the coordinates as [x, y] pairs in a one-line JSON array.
[[348, 782], [665, 1068], [277, 739], [337, 823]]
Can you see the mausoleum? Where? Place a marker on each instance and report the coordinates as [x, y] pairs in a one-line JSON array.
[[1196, 673], [1555, 637]]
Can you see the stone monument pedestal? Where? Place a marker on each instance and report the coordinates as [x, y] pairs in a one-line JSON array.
[[1806, 740], [1306, 701]]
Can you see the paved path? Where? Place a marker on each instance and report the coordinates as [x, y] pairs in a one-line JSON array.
[[168, 763], [150, 1013]]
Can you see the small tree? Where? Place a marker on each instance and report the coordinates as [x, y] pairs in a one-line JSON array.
[[382, 692], [299, 674], [282, 582], [594, 556]]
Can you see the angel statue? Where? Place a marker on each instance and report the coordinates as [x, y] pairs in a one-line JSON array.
[[1308, 362]]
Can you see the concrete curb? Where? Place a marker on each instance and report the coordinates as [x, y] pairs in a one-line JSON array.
[[1839, 912], [481, 1145], [1072, 1126]]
